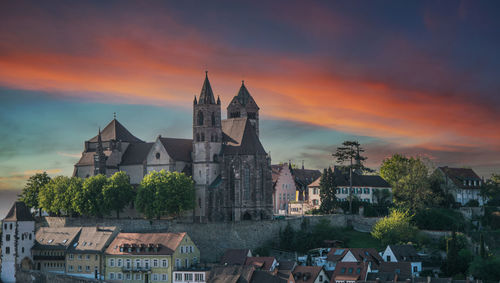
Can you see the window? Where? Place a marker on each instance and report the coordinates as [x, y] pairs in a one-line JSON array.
[[80, 269], [71, 256], [111, 275], [202, 136], [200, 118], [157, 155], [199, 277], [246, 183], [87, 268], [128, 262], [155, 263], [137, 276], [164, 263], [186, 262], [415, 269], [321, 278], [119, 276], [182, 249], [70, 268], [213, 119], [87, 257], [96, 257], [7, 237], [155, 277], [164, 277], [146, 263], [388, 258], [119, 262], [80, 257], [128, 276], [188, 277], [177, 263], [22, 250], [137, 263], [178, 276], [111, 262], [10, 226]]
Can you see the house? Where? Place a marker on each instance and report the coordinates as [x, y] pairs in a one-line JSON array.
[[144, 257], [314, 200], [85, 257], [51, 247], [231, 274], [235, 256], [334, 255], [310, 274], [284, 187], [403, 253], [262, 263], [349, 272], [368, 255], [18, 237], [187, 275], [392, 271], [261, 276], [462, 183]]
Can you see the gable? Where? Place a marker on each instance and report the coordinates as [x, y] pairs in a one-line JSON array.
[[349, 257], [158, 155]]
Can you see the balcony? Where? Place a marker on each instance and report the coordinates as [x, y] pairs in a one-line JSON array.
[[136, 269]]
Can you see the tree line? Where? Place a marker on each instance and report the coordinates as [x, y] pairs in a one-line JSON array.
[[158, 194]]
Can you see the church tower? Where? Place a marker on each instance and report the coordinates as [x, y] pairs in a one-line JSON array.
[[244, 106], [207, 143]]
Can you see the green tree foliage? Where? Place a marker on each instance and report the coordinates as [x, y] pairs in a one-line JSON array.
[[118, 192], [55, 197], [163, 193], [409, 178], [491, 190], [89, 200], [383, 196], [327, 189], [485, 269], [32, 189], [395, 228], [439, 219]]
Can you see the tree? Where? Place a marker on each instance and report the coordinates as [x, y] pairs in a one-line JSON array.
[[32, 189], [165, 193], [382, 196], [53, 196], [395, 228], [485, 269], [409, 178], [349, 153], [491, 190], [89, 200], [327, 190], [118, 192], [75, 186]]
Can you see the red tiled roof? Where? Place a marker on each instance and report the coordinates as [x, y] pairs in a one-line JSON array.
[[459, 175], [235, 256], [263, 262], [310, 273], [350, 271], [168, 243]]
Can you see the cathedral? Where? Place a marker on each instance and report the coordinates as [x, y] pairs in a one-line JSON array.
[[229, 166]]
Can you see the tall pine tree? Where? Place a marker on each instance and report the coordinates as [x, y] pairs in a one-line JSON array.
[[327, 189]]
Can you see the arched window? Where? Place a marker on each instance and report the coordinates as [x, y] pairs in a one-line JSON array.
[[200, 118], [213, 118], [202, 136], [246, 183], [198, 137]]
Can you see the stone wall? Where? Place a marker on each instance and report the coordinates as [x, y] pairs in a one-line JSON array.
[[214, 238], [35, 276]]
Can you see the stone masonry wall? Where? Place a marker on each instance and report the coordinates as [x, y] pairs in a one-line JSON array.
[[35, 276], [213, 238]]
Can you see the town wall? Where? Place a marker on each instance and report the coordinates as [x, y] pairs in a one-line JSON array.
[[213, 238], [35, 276]]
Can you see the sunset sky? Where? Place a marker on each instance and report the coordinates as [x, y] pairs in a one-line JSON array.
[[414, 77]]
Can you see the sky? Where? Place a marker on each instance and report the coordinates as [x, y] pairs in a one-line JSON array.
[[413, 77]]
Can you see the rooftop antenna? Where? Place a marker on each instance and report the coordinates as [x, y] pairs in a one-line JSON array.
[[302, 164]]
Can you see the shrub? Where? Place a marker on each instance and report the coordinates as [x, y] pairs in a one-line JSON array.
[[395, 228], [472, 203], [439, 219]]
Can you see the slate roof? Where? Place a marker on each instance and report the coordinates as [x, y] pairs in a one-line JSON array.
[[178, 149], [206, 94], [239, 137], [459, 175], [350, 271], [261, 276], [304, 177], [93, 239], [88, 158], [388, 271], [235, 256], [244, 96], [405, 252], [261, 262], [19, 212], [116, 131], [231, 274], [311, 273], [376, 181], [55, 237], [136, 153], [168, 243]]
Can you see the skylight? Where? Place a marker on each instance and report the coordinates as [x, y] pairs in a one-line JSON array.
[[338, 252], [64, 241], [50, 241]]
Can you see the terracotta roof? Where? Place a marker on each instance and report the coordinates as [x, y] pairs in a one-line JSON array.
[[55, 237], [262, 262], [336, 254], [178, 149], [231, 274], [19, 212], [206, 94], [93, 239], [459, 175], [239, 137], [168, 243], [116, 131], [316, 182], [309, 273], [350, 271], [366, 254], [286, 265], [136, 153], [235, 256], [405, 252]]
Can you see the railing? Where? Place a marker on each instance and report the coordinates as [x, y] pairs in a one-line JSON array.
[[136, 269]]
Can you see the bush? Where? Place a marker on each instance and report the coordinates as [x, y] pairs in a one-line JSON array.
[[439, 219], [371, 210], [472, 203], [395, 228]]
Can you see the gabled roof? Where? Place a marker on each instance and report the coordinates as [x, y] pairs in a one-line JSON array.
[[231, 274], [167, 243], [235, 256], [239, 137], [55, 237], [116, 131], [404, 252], [276, 170], [93, 239], [136, 153], [261, 262], [244, 97], [178, 149], [358, 180], [261, 276], [309, 273], [316, 182], [391, 269], [206, 94], [19, 212], [459, 175], [366, 254], [336, 254], [304, 177], [350, 271]]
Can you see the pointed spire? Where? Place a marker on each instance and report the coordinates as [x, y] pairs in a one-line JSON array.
[[206, 95], [195, 101], [243, 95], [218, 100], [99, 142]]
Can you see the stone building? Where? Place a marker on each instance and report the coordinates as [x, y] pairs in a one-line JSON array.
[[230, 168], [18, 237], [462, 183]]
